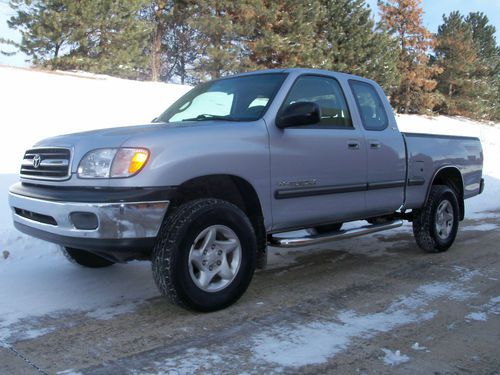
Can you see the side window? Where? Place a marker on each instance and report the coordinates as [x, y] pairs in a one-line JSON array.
[[327, 93], [370, 106]]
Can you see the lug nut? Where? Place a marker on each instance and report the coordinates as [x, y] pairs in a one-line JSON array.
[[210, 268], [204, 252], [219, 262], [204, 262], [213, 246], [219, 252]]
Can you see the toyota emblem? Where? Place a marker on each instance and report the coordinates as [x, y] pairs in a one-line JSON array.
[[37, 159]]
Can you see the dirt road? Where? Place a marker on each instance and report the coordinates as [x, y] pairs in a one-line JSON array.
[[373, 305]]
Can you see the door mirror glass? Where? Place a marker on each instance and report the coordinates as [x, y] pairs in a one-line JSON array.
[[297, 114]]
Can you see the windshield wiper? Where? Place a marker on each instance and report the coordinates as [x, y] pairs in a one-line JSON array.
[[207, 116]]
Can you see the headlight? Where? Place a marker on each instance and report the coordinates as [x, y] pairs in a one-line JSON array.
[[112, 162]]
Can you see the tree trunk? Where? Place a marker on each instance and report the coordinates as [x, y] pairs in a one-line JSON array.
[[156, 54], [156, 49], [182, 69], [407, 99]]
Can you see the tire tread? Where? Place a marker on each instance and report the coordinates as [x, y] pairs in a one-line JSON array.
[[423, 221], [168, 240]]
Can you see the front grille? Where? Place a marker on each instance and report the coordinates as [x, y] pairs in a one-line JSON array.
[[46, 163], [41, 218]]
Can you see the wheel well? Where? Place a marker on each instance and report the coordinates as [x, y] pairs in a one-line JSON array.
[[230, 188], [451, 177]]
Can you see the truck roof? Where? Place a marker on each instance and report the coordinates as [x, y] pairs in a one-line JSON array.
[[301, 71]]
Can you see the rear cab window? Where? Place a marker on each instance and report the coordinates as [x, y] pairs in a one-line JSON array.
[[370, 106]]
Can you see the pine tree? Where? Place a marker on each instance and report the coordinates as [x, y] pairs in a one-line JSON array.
[[351, 43], [403, 18], [284, 33], [218, 32], [108, 37], [181, 41], [483, 34], [457, 55], [44, 28], [102, 36], [487, 76]]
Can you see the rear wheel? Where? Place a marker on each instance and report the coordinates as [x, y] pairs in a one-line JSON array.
[[435, 226], [205, 255], [85, 258]]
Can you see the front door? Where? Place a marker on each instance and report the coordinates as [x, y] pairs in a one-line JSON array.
[[318, 171]]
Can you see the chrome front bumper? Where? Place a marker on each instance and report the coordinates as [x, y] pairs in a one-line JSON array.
[[121, 220]]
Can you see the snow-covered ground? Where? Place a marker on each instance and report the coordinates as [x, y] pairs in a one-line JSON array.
[[35, 280], [35, 105]]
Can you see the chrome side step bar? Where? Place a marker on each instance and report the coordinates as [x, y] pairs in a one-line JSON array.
[[333, 236]]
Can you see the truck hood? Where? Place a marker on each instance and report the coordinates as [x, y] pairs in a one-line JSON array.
[[109, 137], [156, 137]]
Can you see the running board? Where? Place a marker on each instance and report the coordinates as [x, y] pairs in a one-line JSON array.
[[333, 236]]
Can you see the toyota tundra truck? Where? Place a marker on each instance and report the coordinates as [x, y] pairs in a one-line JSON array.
[[234, 165]]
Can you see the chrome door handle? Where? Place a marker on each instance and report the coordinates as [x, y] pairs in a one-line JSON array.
[[353, 145], [375, 145]]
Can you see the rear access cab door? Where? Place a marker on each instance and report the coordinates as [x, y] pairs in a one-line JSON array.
[[386, 154]]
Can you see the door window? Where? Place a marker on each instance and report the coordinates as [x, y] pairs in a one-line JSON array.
[[327, 94], [371, 108]]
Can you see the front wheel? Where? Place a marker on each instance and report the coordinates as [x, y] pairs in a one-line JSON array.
[[435, 226], [205, 255]]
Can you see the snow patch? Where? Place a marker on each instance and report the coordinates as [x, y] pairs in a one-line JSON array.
[[194, 360], [109, 312], [38, 281], [416, 346], [69, 372], [481, 316], [299, 345], [295, 344], [480, 227], [492, 307], [394, 358]]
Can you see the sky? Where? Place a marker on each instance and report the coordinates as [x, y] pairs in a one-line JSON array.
[[433, 12]]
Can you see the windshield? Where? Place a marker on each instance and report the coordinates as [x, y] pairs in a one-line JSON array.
[[231, 99]]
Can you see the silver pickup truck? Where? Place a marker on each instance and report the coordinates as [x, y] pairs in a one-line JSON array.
[[231, 167]]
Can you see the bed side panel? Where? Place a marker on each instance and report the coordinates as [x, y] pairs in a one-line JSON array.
[[429, 153]]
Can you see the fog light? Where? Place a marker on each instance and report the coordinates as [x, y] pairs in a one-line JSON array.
[[84, 220]]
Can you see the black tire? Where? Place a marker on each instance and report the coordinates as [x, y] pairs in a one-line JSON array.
[[329, 228], [85, 258], [426, 226], [170, 259]]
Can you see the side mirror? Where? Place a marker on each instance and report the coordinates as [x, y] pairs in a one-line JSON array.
[[300, 113]]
